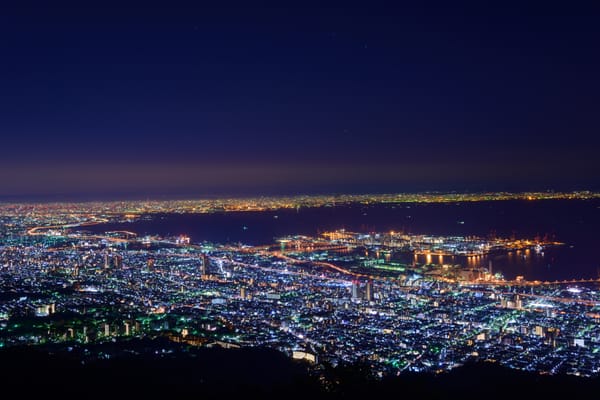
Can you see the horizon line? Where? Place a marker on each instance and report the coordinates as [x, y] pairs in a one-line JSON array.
[[86, 198]]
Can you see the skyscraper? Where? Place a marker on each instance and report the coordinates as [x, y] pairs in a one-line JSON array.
[[354, 290], [205, 264], [518, 302], [369, 291], [118, 261]]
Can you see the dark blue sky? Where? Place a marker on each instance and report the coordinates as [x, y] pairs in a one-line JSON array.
[[251, 100]]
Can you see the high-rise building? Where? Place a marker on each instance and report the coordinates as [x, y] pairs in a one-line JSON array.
[[539, 330], [369, 291], [205, 264], [518, 302], [106, 261], [354, 290], [118, 261]]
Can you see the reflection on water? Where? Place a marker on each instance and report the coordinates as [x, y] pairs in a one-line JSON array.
[[528, 263], [545, 265]]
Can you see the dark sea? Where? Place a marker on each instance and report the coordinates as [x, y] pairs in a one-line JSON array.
[[573, 222]]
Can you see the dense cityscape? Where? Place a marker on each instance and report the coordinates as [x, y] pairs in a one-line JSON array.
[[335, 298]]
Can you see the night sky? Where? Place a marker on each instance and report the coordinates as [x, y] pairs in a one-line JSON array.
[[155, 101]]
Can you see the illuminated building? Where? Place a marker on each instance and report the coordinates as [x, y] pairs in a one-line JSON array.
[[205, 264], [354, 290], [118, 261], [369, 291]]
